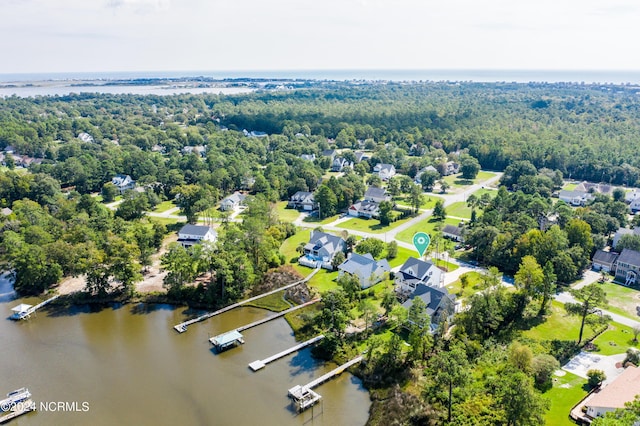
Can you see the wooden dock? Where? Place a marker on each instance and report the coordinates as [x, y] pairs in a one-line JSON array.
[[304, 397], [278, 315], [182, 327], [24, 311], [259, 364], [17, 410]]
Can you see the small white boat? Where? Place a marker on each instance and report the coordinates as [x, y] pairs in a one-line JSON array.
[[15, 397]]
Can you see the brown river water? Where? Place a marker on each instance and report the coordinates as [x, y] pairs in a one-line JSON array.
[[126, 365]]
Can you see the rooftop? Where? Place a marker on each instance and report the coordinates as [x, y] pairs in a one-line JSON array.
[[623, 389]]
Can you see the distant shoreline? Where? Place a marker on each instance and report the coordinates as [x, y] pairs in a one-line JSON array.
[[487, 76]]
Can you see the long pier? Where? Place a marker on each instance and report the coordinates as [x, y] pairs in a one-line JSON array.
[[304, 396], [259, 364], [24, 311], [278, 315], [182, 327]]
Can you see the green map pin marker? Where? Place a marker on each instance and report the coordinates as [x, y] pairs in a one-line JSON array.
[[421, 241]]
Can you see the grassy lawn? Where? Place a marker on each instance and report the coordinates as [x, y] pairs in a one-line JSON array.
[[428, 203], [566, 392], [323, 280], [285, 214], [616, 340], [459, 209], [288, 247], [622, 300], [370, 225], [164, 220], [570, 186], [326, 221], [471, 288], [426, 225], [456, 181], [480, 192], [403, 255], [274, 302], [164, 206]]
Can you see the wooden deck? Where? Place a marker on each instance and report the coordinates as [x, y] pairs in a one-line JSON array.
[[259, 364], [18, 315], [182, 327], [278, 315]]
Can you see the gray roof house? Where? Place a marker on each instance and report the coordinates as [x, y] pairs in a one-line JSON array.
[[385, 171], [361, 156], [628, 267], [418, 178], [366, 268], [331, 153], [414, 272], [123, 182], [308, 157], [303, 200], [190, 235], [320, 249], [603, 260], [364, 208], [453, 233], [233, 201], [377, 195], [575, 198], [339, 164], [440, 304]]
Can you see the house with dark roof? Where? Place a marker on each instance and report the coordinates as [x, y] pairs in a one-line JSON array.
[[376, 195], [303, 200], [331, 153], [233, 201], [364, 208], [361, 156], [604, 260], [627, 267], [440, 304], [621, 390], [368, 270], [385, 171], [123, 183], [590, 187], [453, 232], [451, 168], [321, 249], [190, 235], [414, 272]]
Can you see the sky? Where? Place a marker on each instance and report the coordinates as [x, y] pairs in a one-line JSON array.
[[45, 36]]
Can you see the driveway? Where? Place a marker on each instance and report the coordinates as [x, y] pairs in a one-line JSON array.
[[585, 361]]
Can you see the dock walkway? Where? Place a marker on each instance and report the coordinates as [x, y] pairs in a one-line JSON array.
[[182, 327], [24, 311], [304, 396], [259, 364], [278, 315]]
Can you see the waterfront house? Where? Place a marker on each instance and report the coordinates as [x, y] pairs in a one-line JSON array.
[[415, 272], [604, 261], [627, 267], [190, 235], [368, 270], [321, 249], [123, 182], [233, 201], [440, 304], [385, 171], [621, 390], [303, 200]]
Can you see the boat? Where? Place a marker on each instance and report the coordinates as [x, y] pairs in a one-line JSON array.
[[15, 397]]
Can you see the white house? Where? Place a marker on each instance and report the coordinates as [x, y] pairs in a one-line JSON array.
[[366, 268], [233, 201], [364, 208], [623, 389], [575, 198], [190, 235], [86, 137], [303, 200], [321, 249], [123, 182], [385, 171], [414, 272]]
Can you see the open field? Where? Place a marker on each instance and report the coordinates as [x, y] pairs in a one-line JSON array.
[[164, 206], [370, 225], [456, 181], [459, 209], [429, 201], [566, 392], [622, 300], [472, 287], [285, 214], [428, 225]]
